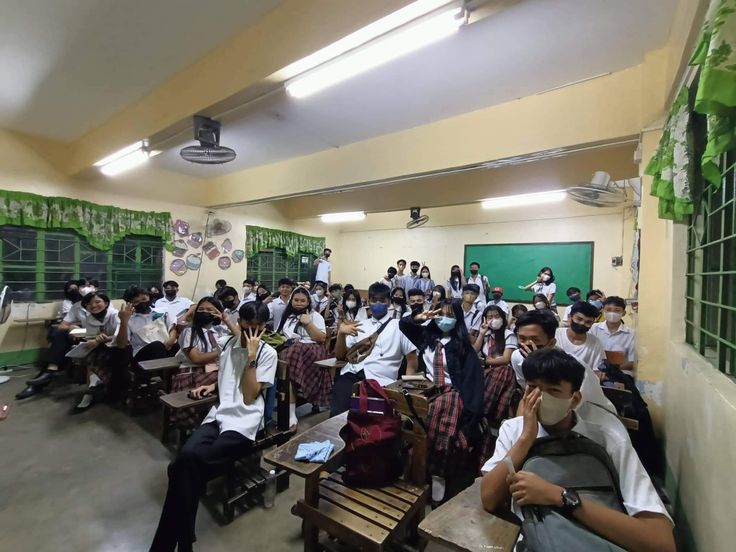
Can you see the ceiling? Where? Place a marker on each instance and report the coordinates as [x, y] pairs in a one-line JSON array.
[[528, 48], [67, 65]]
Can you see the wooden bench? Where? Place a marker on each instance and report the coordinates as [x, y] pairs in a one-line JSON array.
[[621, 399], [180, 400], [142, 389]]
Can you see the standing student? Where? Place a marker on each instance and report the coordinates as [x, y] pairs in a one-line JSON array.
[[614, 335], [446, 357], [249, 292], [573, 294], [576, 339], [437, 296], [171, 304], [305, 331], [410, 280], [390, 279], [384, 359], [455, 283], [425, 282], [247, 368], [472, 309], [323, 266], [320, 300], [479, 280], [401, 275], [497, 300], [398, 308], [278, 306], [545, 285]]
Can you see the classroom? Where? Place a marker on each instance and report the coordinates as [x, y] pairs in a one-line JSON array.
[[348, 275]]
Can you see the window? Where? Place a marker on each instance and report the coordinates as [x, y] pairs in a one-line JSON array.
[[269, 266], [711, 270], [37, 263]]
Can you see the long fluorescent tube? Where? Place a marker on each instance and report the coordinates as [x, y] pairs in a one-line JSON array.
[[394, 45], [343, 217], [361, 36], [522, 200], [125, 159]]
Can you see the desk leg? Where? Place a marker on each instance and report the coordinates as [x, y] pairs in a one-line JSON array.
[[311, 497]]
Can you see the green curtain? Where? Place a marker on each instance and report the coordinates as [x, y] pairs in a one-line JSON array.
[[670, 166], [101, 225], [258, 238]]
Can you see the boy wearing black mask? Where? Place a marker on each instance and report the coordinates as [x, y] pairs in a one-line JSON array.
[[573, 294], [575, 339], [417, 301], [409, 281], [135, 317], [479, 280], [171, 304], [230, 304]]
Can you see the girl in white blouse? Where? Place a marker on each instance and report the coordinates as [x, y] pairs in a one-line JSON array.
[[545, 284]]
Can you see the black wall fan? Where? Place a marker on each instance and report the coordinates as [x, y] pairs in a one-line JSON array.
[[417, 219], [209, 151]]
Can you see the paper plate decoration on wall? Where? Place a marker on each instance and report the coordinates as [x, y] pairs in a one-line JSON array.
[[194, 261], [180, 248], [178, 267], [226, 246], [223, 262], [238, 255], [195, 240], [218, 227], [210, 249], [181, 227]]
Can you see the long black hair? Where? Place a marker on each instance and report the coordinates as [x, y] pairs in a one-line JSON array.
[[290, 310], [459, 339], [456, 278], [499, 336], [551, 274], [197, 330], [358, 302], [402, 303]]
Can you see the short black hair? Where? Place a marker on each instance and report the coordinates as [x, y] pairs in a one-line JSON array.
[[594, 293], [285, 282], [401, 261], [326, 249], [518, 310], [584, 308], [226, 291], [475, 288], [551, 274], [572, 290], [134, 291], [348, 287], [171, 283], [249, 281], [254, 311], [616, 301], [87, 299], [413, 292], [391, 270], [476, 263], [380, 291], [542, 318], [553, 366], [319, 283], [220, 283], [415, 263], [335, 287]]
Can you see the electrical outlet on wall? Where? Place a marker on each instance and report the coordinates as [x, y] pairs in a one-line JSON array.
[[617, 261]]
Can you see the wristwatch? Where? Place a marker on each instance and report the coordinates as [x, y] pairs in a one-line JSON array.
[[252, 364], [570, 501]]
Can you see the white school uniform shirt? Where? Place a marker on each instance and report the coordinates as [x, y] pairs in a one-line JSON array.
[[501, 304], [393, 312], [546, 289], [248, 299], [135, 324], [566, 315], [186, 341], [407, 281], [76, 314], [294, 330], [636, 488], [232, 414], [590, 353], [66, 304], [323, 271], [473, 317], [319, 304], [429, 357], [362, 314], [479, 280], [622, 340], [108, 325], [277, 308], [385, 359], [454, 293], [511, 341], [172, 308]]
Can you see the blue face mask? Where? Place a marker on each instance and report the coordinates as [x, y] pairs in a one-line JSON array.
[[597, 303], [379, 310], [445, 323]]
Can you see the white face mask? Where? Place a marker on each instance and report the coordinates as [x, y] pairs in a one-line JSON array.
[[545, 277], [425, 274], [87, 289], [247, 290], [496, 324], [319, 293], [552, 409], [612, 317], [436, 294], [539, 305], [350, 304]]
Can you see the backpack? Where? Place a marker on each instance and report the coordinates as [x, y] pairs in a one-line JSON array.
[[571, 461]]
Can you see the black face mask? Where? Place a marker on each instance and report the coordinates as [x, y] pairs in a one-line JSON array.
[[202, 319], [575, 297], [73, 295], [456, 274], [230, 305], [170, 294], [101, 315], [263, 295], [299, 312], [497, 296], [474, 271], [142, 308], [416, 309], [579, 328], [398, 300], [155, 296], [414, 270]]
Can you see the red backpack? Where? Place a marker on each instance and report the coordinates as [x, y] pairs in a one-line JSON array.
[[372, 439]]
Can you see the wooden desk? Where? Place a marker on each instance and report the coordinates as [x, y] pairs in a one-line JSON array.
[[181, 399], [331, 364], [159, 364], [462, 524]]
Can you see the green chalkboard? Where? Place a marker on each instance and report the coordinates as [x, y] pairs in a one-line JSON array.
[[510, 265]]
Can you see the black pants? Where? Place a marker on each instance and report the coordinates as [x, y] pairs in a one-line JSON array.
[[154, 351], [342, 390], [205, 455], [61, 343]]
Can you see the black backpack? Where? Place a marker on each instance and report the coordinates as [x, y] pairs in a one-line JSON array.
[[575, 462]]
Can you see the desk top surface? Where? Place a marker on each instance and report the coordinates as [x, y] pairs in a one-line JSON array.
[[181, 399], [462, 524], [330, 363], [283, 456], [159, 364]]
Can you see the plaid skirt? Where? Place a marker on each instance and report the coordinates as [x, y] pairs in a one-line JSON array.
[[110, 364], [315, 383], [188, 378], [500, 399]]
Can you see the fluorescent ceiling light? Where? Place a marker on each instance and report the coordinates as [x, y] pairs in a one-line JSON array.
[[343, 217], [361, 36], [406, 40], [125, 159], [524, 199]]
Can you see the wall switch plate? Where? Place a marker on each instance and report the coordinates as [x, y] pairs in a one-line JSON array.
[[617, 261]]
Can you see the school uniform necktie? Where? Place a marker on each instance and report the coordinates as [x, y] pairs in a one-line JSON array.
[[491, 345], [438, 370], [213, 340]]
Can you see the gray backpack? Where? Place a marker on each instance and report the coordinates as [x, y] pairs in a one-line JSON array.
[[575, 462]]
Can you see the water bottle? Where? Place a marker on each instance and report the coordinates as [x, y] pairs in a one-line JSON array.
[[269, 492]]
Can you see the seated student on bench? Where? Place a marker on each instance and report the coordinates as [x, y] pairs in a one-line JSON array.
[[383, 362], [247, 368], [472, 309], [577, 340], [446, 357], [135, 315], [230, 304], [614, 335], [550, 408]]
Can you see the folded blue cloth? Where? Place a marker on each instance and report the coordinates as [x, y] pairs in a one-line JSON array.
[[314, 452]]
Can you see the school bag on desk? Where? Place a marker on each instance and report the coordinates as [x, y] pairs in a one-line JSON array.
[[372, 438], [571, 461]]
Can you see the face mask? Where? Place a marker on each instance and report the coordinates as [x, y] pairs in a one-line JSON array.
[[155, 296], [203, 319], [469, 297], [425, 274], [436, 294], [247, 290], [73, 295], [597, 303], [414, 270], [398, 301], [327, 255], [351, 304], [575, 297], [456, 274], [299, 312], [579, 328], [539, 305], [474, 271], [391, 275], [319, 293], [263, 295], [101, 315], [379, 310], [497, 296], [612, 317], [552, 409], [416, 309], [445, 323], [142, 308], [230, 305], [336, 294], [87, 289], [496, 324], [545, 277], [170, 293]]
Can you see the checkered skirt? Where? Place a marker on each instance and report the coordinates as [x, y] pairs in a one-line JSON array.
[[315, 383]]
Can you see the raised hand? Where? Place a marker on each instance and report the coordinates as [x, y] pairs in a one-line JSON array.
[[527, 349], [253, 341], [305, 318], [349, 327], [428, 315], [126, 312], [529, 408]]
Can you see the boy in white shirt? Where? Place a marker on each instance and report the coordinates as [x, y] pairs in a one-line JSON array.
[[323, 266], [479, 280], [278, 305], [249, 291], [497, 294], [614, 335], [576, 339], [472, 309], [230, 305], [384, 360], [170, 304], [573, 294], [549, 407], [390, 279]]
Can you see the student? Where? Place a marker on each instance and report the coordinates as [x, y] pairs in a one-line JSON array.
[[230, 305], [516, 312], [335, 302], [495, 343], [352, 306], [247, 368], [596, 297], [249, 292], [171, 305], [455, 283], [398, 308], [437, 296], [389, 278], [425, 282], [278, 306], [404, 281], [472, 309], [541, 302], [410, 280], [573, 294], [614, 335], [72, 295], [545, 284], [417, 301], [323, 266], [576, 339], [305, 331], [219, 284], [479, 280], [320, 300], [263, 294], [549, 407], [384, 360], [154, 292], [446, 358], [497, 300]]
